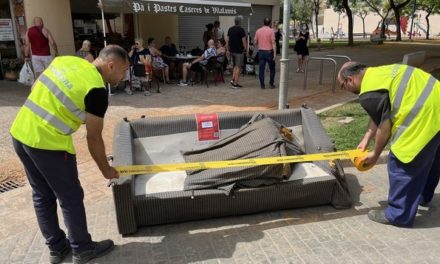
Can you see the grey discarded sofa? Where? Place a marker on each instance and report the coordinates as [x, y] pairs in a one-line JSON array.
[[144, 200]]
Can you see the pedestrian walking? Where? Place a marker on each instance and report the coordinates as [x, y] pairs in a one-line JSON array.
[[302, 47], [38, 41], [404, 108], [265, 40], [278, 35], [69, 93], [236, 45]]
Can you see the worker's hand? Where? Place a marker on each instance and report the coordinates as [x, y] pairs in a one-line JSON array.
[[363, 144], [27, 59], [370, 159], [110, 173]]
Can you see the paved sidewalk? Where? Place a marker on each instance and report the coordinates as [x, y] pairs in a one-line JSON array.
[[310, 235]]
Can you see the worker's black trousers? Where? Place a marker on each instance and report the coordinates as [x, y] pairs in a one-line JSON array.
[[53, 175]]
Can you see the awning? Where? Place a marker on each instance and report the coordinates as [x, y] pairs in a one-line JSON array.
[[179, 7]]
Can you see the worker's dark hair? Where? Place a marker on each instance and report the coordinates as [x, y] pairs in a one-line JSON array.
[[113, 51], [352, 69], [267, 21], [150, 40]]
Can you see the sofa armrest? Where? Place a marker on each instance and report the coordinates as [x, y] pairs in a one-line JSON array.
[[317, 140], [123, 188]]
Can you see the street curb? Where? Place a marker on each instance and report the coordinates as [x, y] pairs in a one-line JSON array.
[[335, 105]]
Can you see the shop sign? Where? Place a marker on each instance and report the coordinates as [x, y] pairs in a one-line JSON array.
[[6, 29], [182, 9]]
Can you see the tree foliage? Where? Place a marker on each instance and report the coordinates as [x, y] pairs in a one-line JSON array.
[[301, 11], [382, 9], [361, 9], [344, 6], [397, 6]]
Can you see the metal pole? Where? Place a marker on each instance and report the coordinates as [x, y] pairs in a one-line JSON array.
[[412, 19], [284, 62], [248, 32], [103, 22], [105, 38]]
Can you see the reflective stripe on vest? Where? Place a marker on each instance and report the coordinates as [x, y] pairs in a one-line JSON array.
[[53, 120], [55, 89], [401, 90], [415, 110]]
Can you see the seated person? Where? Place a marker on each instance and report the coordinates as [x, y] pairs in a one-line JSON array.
[[138, 55], [157, 60], [84, 51], [137, 50], [198, 63], [221, 50], [169, 52], [221, 59]]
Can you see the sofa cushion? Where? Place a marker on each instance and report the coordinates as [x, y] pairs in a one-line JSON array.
[[167, 149]]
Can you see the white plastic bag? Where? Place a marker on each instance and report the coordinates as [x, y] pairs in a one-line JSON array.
[[26, 75]]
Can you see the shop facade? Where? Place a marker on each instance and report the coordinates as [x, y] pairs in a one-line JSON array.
[[71, 21]]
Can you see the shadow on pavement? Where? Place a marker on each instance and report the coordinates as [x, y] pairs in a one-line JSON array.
[[355, 188]]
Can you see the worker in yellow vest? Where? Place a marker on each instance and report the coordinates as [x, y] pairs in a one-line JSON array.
[[70, 92], [403, 103]]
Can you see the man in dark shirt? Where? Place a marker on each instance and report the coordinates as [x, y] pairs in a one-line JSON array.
[[404, 108], [236, 44], [169, 52]]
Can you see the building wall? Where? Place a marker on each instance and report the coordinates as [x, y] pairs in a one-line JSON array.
[[57, 18], [371, 21], [158, 27]]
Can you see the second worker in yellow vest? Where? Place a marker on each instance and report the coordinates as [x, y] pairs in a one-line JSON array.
[[403, 103]]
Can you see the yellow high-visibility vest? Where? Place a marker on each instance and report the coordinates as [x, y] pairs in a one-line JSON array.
[[415, 106], [55, 108]]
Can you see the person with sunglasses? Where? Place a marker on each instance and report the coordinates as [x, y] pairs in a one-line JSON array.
[[404, 108], [137, 51], [138, 55]]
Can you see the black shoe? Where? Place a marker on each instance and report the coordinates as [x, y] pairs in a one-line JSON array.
[[378, 216], [423, 203], [59, 256], [235, 86], [99, 249], [272, 86], [262, 87]]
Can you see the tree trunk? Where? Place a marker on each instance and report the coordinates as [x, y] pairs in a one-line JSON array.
[[363, 27], [382, 29], [316, 22], [396, 9], [350, 22], [397, 15], [427, 24]]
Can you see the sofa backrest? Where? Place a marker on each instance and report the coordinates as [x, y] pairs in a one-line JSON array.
[[148, 127]]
